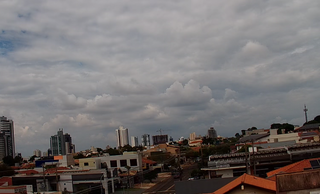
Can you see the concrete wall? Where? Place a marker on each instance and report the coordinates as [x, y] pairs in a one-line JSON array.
[[126, 157], [95, 163], [225, 173], [92, 163], [273, 137], [66, 182]]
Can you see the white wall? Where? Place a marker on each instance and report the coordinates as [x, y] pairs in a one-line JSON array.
[[225, 173], [65, 182]]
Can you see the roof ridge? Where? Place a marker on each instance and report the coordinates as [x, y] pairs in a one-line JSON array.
[[243, 178]]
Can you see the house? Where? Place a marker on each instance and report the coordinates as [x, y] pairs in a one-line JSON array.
[[248, 184], [295, 167], [134, 160]]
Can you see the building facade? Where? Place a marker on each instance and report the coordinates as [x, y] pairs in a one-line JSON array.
[[192, 136], [145, 140], [122, 136], [37, 153], [134, 141], [7, 144], [61, 144], [159, 139], [212, 133]]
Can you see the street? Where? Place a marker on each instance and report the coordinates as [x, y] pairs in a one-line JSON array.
[[167, 186]]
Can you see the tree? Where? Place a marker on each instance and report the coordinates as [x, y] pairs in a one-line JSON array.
[[185, 142], [78, 156], [6, 170], [18, 159], [32, 158], [99, 150], [8, 160], [111, 151], [286, 126]]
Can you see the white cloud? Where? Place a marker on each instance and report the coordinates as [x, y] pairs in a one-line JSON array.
[[151, 65]]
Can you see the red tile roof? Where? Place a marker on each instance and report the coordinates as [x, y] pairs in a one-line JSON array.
[[147, 161], [295, 167], [28, 172], [4, 180], [249, 180], [56, 170]]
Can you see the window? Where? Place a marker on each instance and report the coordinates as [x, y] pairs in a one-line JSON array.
[[133, 162], [123, 163], [113, 163], [86, 164]]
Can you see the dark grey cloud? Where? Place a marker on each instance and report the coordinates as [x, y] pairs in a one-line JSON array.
[[183, 66]]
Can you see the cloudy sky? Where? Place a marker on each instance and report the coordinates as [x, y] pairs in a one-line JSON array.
[[181, 66]]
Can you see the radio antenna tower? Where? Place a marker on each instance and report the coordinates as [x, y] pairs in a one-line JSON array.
[[305, 112]]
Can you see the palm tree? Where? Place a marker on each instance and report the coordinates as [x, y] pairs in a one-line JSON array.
[[128, 170]]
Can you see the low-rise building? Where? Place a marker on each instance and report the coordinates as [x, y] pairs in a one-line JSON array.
[[134, 160]]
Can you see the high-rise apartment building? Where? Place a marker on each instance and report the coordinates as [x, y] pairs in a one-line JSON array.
[[122, 136], [7, 145], [212, 133], [192, 136], [134, 141], [159, 139], [61, 144], [145, 140], [37, 153]]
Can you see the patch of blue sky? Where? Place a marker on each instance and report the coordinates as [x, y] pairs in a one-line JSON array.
[[11, 40], [6, 46]]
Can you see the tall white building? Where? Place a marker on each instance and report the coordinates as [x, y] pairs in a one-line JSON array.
[[134, 141], [37, 153], [122, 136], [192, 136]]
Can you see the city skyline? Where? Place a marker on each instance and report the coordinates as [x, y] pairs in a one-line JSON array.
[[180, 66]]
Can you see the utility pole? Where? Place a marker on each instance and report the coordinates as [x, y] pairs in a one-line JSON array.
[[254, 163], [44, 178], [57, 182], [305, 112]]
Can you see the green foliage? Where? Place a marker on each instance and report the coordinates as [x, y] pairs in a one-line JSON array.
[[159, 157], [129, 148], [185, 142], [32, 158], [6, 170], [151, 175], [209, 141], [192, 154], [252, 128], [218, 149], [314, 121], [111, 151], [286, 126], [8, 160]]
